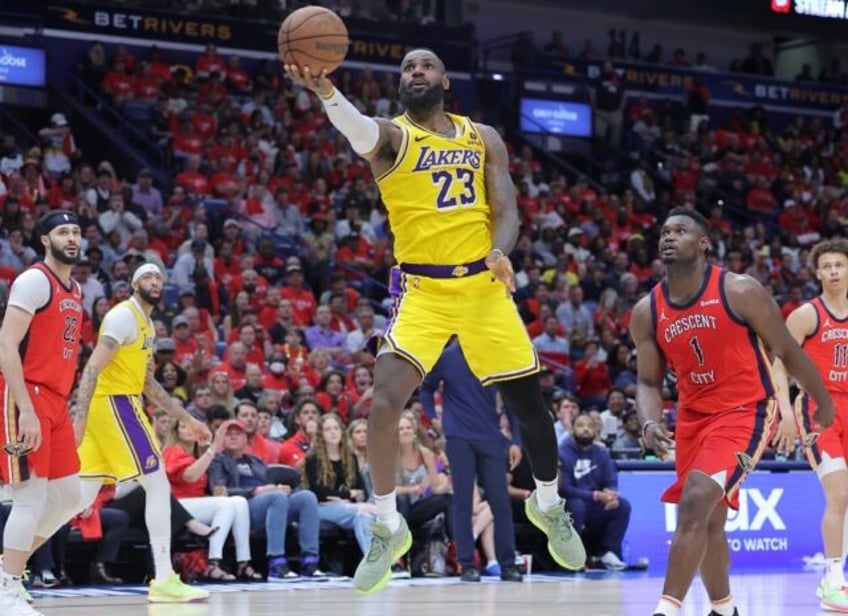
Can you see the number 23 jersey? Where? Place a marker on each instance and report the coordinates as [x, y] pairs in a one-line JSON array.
[[719, 360], [435, 194]]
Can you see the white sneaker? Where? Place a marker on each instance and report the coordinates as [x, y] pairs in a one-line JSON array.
[[12, 603], [612, 562]]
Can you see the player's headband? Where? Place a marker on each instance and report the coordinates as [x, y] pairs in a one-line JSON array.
[[57, 219], [147, 268]]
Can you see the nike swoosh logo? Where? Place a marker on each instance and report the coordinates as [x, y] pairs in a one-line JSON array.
[[579, 474], [421, 138]]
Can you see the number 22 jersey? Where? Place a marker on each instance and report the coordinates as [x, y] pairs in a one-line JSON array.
[[719, 360]]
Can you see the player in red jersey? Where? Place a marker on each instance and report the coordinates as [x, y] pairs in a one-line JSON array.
[[821, 327], [709, 326], [39, 344]]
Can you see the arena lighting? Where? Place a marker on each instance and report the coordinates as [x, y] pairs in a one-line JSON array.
[[497, 76], [825, 9]]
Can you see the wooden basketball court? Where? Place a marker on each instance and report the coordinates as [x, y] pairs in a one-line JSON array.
[[602, 594]]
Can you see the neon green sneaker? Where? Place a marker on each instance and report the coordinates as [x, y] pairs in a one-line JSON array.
[[375, 569], [24, 593], [832, 599], [174, 591], [564, 543]]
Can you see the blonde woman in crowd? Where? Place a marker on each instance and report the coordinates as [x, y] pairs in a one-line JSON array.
[[222, 390], [186, 467], [331, 471]]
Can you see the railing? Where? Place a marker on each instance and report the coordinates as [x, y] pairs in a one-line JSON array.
[[85, 95]]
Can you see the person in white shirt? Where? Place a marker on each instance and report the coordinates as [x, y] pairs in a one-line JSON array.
[[119, 219], [91, 287], [183, 271]]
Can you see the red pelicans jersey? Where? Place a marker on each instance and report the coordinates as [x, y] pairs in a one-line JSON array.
[[50, 348], [827, 346], [719, 361]]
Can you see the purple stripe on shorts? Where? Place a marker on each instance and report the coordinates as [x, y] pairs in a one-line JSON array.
[[136, 437], [372, 345]]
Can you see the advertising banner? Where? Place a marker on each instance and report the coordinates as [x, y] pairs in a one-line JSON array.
[[727, 88], [776, 526], [21, 66], [371, 42]]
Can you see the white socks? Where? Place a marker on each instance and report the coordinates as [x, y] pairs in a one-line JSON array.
[[835, 575], [387, 510], [547, 494], [724, 607], [668, 606]]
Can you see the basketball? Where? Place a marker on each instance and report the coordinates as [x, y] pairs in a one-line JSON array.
[[315, 37]]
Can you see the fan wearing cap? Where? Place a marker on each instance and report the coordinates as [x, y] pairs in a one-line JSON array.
[[117, 443], [60, 146], [39, 345], [301, 297]]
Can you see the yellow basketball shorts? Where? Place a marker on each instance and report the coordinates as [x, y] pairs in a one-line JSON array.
[[428, 311], [119, 444]]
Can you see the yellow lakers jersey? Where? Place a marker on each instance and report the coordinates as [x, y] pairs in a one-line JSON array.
[[125, 374], [435, 194]]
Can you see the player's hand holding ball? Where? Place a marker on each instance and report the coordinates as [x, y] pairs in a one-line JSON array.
[[501, 268], [312, 42]]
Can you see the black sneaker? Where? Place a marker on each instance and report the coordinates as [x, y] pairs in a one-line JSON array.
[[279, 571], [309, 568], [470, 574], [510, 573]]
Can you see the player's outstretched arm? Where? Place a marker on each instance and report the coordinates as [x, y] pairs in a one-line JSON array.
[[650, 370], [750, 302], [104, 352], [159, 396], [369, 137], [801, 323], [500, 194]]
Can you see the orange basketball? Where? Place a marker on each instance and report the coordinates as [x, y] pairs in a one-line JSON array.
[[315, 37]]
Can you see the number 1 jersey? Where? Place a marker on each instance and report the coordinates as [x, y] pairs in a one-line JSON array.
[[827, 346], [720, 362], [435, 194]]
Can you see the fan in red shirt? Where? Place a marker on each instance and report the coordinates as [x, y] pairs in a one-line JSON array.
[[761, 199], [118, 84], [293, 451], [236, 365], [237, 78], [209, 62], [356, 252], [146, 86], [191, 178], [591, 377], [302, 299], [332, 397], [257, 445]]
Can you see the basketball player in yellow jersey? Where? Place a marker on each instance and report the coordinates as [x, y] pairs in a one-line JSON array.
[[446, 184], [116, 442]]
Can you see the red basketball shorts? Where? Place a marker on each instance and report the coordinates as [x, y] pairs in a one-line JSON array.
[[824, 448]]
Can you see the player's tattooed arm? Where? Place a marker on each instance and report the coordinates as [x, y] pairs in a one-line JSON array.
[[100, 358], [500, 191], [157, 394]]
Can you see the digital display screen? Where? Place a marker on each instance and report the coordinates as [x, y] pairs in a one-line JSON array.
[[828, 9], [22, 66], [565, 118]]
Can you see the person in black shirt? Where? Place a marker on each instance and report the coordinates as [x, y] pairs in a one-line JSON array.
[[331, 471]]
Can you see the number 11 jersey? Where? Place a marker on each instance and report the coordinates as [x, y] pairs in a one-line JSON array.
[[827, 346], [719, 360]]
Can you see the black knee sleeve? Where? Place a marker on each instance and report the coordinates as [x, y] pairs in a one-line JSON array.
[[523, 396]]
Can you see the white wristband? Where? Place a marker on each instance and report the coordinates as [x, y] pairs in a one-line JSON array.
[[362, 132]]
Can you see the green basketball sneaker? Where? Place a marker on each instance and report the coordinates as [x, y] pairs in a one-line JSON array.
[[564, 543], [375, 569]]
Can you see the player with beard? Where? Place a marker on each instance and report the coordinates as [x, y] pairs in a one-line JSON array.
[[39, 344], [711, 327], [452, 209], [117, 442]]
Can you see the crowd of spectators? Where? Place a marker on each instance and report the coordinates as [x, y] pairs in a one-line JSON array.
[[277, 246]]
